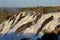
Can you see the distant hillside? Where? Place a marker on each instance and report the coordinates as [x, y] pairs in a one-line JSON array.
[[6, 12]]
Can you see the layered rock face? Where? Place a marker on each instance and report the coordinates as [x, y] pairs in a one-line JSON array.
[[29, 25]]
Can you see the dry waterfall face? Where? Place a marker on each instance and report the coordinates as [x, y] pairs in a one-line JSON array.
[[27, 25]]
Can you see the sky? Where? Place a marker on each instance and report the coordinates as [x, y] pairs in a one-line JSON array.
[[28, 3]]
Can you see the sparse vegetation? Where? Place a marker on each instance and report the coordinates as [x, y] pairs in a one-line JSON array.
[[5, 13]]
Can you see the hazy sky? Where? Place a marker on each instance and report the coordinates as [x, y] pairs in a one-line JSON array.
[[28, 3]]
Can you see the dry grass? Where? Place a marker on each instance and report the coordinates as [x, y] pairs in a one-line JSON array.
[[4, 16]]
